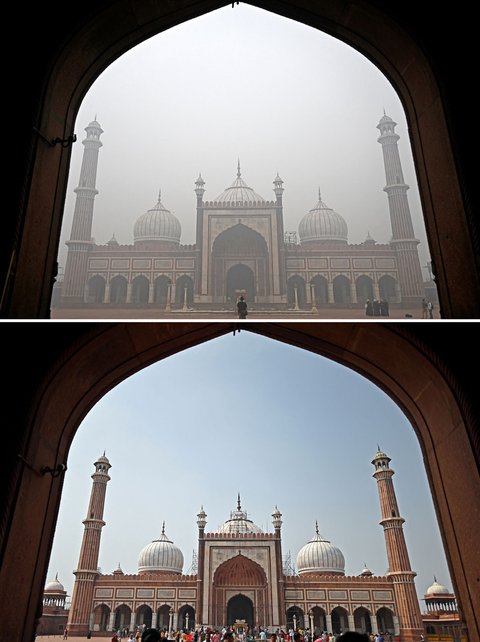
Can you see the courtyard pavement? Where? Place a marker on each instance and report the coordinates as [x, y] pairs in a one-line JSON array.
[[324, 314]]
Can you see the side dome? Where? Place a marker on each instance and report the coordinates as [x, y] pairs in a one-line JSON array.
[[320, 556], [157, 224], [437, 589], [239, 522], [161, 555], [322, 224], [54, 586]]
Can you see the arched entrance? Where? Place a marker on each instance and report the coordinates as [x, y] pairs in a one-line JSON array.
[[410, 364], [69, 65], [240, 607], [240, 278], [247, 579], [96, 289], [118, 289], [239, 262]]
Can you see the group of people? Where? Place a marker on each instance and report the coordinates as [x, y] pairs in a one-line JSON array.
[[377, 308], [427, 309], [146, 634]]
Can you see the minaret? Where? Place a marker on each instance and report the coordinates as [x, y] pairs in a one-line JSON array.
[[199, 191], [81, 234], [400, 572], [201, 523], [277, 525], [278, 190], [403, 237], [87, 571]]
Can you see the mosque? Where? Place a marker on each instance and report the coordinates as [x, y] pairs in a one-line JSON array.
[[241, 579], [241, 248]]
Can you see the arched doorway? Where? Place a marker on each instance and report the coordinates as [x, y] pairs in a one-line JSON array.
[[118, 289], [140, 288], [163, 617], [240, 278], [320, 289], [385, 620], [92, 45], [143, 616], [364, 287], [386, 285], [161, 289], [184, 291], [240, 607], [246, 578], [101, 617], [413, 366], [341, 290], [339, 620], [239, 261], [96, 289], [296, 292], [295, 619], [361, 618]]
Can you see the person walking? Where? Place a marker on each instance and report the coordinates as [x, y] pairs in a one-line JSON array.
[[242, 308]]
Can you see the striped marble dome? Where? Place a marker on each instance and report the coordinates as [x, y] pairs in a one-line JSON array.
[[161, 555], [322, 224], [320, 556], [437, 589], [54, 586], [239, 522], [239, 192], [158, 224]]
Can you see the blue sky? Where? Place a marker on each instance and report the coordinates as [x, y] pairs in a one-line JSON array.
[[246, 414]]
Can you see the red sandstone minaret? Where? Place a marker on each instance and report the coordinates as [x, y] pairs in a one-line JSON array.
[[408, 609], [201, 523], [87, 571], [403, 239], [81, 235]]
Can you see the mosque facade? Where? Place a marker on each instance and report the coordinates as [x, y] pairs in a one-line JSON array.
[[241, 577], [241, 248]]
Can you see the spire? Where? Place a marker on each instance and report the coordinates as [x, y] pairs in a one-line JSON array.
[[319, 194], [163, 528], [239, 507], [316, 527], [238, 169]]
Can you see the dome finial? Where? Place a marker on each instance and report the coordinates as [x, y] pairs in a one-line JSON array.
[[238, 169], [159, 195], [316, 526], [434, 578], [319, 194], [163, 528], [239, 507]]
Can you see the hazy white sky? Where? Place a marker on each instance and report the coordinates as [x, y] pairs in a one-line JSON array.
[[249, 415], [243, 84]]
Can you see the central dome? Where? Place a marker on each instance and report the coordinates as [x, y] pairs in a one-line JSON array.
[[158, 224], [239, 522], [319, 556], [239, 193], [161, 555], [322, 224]]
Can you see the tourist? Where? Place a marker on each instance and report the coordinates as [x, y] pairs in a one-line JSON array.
[[242, 308]]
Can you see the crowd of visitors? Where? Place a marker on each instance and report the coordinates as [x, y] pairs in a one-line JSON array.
[[228, 634]]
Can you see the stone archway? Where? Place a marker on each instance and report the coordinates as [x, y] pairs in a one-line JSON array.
[[76, 364], [239, 262], [74, 62], [240, 278], [240, 607], [247, 579]]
